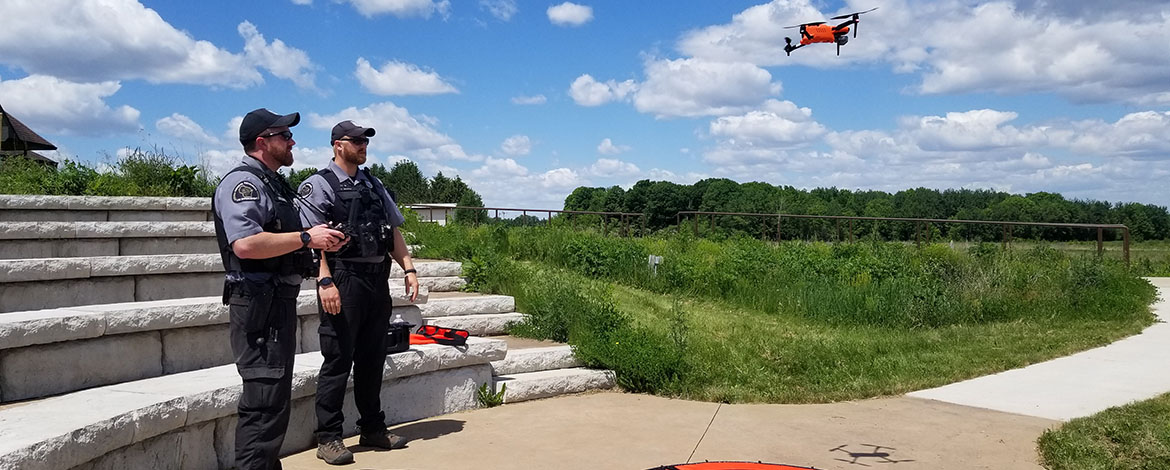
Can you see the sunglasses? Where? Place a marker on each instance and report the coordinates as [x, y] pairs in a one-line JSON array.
[[286, 134], [357, 141]]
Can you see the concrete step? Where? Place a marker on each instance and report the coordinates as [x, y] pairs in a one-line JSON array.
[[480, 324], [190, 417], [21, 240], [40, 283], [97, 345], [27, 208], [549, 383], [519, 361]]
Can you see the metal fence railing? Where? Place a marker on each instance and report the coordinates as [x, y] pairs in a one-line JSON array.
[[623, 218], [920, 225]]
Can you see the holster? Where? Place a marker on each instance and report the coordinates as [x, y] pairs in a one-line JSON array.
[[257, 297]]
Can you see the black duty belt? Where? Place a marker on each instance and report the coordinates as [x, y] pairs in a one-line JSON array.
[[361, 268]]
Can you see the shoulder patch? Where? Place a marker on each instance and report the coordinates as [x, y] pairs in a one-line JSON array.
[[245, 191], [306, 189]]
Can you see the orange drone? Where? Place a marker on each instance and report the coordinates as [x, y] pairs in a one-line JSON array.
[[821, 32]]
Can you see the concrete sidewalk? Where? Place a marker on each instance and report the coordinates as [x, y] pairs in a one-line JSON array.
[[1135, 368], [629, 431], [990, 422]]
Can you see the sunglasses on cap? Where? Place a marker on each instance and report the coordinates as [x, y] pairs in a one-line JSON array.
[[286, 134]]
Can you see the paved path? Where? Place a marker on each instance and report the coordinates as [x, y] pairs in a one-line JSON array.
[[986, 423], [1135, 368]]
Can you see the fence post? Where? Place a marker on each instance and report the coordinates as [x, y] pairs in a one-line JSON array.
[[1100, 241], [1005, 237], [778, 239], [604, 227], [1125, 232], [695, 224], [918, 234], [850, 230]]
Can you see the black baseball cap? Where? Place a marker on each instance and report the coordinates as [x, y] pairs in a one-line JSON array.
[[349, 129], [258, 120]]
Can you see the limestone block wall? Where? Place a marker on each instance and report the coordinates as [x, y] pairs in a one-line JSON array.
[[141, 424]]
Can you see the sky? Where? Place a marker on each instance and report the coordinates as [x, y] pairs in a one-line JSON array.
[[527, 100]]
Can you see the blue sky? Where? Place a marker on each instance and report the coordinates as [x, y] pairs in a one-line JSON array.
[[527, 100]]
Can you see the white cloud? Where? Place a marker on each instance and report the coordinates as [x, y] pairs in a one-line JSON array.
[[693, 87], [532, 100], [778, 125], [503, 10], [398, 78], [278, 58], [399, 132], [1141, 134], [302, 2], [755, 35], [51, 105], [606, 147], [516, 145], [586, 91], [97, 41], [500, 168], [184, 128], [402, 8], [570, 14], [608, 168], [1073, 48], [980, 129]]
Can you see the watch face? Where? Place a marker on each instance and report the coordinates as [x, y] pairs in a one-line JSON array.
[[325, 281], [306, 238]]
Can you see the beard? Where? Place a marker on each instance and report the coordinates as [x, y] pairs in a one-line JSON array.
[[356, 156], [285, 157]]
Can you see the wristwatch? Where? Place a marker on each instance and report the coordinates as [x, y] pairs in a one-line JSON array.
[[305, 239], [325, 281]]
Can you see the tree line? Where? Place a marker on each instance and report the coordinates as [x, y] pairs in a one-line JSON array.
[[410, 186], [660, 201]]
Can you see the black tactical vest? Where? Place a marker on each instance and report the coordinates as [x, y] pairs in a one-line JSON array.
[[287, 220], [363, 212]]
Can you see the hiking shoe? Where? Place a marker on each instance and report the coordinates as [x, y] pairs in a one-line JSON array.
[[334, 453], [382, 440]]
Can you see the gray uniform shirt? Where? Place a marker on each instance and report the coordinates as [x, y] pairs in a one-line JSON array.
[[245, 206], [317, 198]]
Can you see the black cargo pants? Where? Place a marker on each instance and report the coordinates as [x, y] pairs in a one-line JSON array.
[[266, 370], [355, 338]]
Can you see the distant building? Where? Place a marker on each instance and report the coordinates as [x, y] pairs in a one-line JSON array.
[[438, 213], [16, 139]]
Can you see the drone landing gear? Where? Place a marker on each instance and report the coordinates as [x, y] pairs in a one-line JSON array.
[[788, 47]]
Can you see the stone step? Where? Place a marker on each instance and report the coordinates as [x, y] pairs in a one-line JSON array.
[[40, 283], [190, 417], [98, 345], [26, 208], [549, 383], [519, 361], [22, 240], [480, 325]]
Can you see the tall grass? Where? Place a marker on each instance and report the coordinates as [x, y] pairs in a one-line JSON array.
[[139, 173], [868, 283], [743, 320]]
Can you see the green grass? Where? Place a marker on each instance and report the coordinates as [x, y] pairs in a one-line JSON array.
[[1134, 436], [748, 321], [740, 355]]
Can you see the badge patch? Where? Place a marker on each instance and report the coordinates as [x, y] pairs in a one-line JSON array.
[[245, 191], [306, 189]]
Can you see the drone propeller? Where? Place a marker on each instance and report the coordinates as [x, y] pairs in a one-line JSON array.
[[805, 24], [854, 19], [854, 14]]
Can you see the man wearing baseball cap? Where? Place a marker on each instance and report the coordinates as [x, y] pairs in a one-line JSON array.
[[353, 291], [265, 252]]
